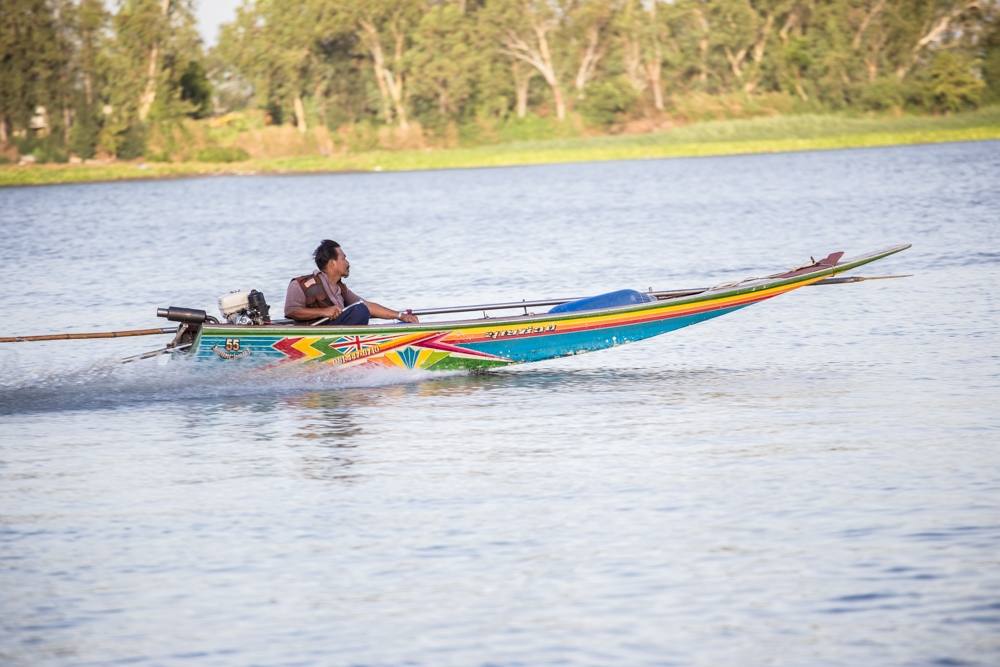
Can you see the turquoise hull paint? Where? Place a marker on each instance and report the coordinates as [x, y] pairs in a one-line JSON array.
[[538, 348], [259, 347]]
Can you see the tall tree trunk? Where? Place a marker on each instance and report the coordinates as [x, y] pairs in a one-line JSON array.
[[800, 91], [549, 73], [300, 114], [791, 23], [757, 53], [557, 96], [522, 80], [643, 69], [152, 70], [634, 65], [653, 70], [383, 94], [397, 79], [444, 106], [872, 58], [654, 66], [736, 61], [869, 17], [539, 57], [149, 92], [702, 47], [390, 86], [871, 66], [370, 38], [592, 55], [88, 88], [320, 96], [395, 86]]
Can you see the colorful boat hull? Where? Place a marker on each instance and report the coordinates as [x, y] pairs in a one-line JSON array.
[[495, 342]]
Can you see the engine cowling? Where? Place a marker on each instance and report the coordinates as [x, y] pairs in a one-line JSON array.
[[246, 308]]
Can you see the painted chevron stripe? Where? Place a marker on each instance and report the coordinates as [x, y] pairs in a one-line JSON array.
[[328, 349], [436, 343], [305, 346], [287, 347]]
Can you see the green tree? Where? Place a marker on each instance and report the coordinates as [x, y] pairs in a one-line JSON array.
[[385, 30], [196, 89], [288, 40], [792, 57], [154, 42], [91, 40], [949, 82], [831, 61], [240, 58], [524, 31], [645, 32], [607, 101], [589, 26], [922, 26], [444, 59], [735, 31], [142, 28], [287, 61], [991, 62], [34, 58]]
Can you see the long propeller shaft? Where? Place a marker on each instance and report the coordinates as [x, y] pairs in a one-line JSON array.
[[84, 336]]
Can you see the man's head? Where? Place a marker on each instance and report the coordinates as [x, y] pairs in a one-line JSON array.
[[330, 258]]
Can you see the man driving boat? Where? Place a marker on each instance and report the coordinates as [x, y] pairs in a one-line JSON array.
[[323, 294]]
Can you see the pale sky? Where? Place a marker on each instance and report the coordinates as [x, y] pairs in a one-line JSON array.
[[211, 14]]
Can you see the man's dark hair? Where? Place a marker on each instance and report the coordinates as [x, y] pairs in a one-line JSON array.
[[326, 251]]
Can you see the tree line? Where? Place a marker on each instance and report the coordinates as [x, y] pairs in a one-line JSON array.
[[88, 77]]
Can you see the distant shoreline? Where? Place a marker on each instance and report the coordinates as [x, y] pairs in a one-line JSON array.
[[708, 139]]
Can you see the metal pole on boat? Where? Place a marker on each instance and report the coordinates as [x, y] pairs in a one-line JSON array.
[[659, 295]]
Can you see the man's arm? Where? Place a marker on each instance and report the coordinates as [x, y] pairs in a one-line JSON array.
[[384, 313], [302, 314]]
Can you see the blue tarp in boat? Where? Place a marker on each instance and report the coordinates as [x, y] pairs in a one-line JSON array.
[[623, 297]]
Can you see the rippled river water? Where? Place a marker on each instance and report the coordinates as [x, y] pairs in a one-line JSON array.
[[812, 481]]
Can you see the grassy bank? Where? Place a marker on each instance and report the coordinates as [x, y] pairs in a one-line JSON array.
[[760, 135]]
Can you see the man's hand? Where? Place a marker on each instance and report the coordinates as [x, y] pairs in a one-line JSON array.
[[333, 312], [409, 318]]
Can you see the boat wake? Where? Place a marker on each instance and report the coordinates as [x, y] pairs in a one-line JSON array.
[[109, 384]]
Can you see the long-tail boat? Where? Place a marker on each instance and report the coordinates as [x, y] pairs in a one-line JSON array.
[[492, 340]]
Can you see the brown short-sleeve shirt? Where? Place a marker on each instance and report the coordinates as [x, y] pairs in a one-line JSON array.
[[339, 294]]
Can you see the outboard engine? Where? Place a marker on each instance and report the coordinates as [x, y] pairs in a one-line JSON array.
[[190, 320], [245, 308]]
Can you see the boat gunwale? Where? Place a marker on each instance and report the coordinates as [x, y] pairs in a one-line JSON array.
[[726, 290]]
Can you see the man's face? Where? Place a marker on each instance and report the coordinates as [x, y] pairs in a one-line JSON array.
[[341, 264]]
